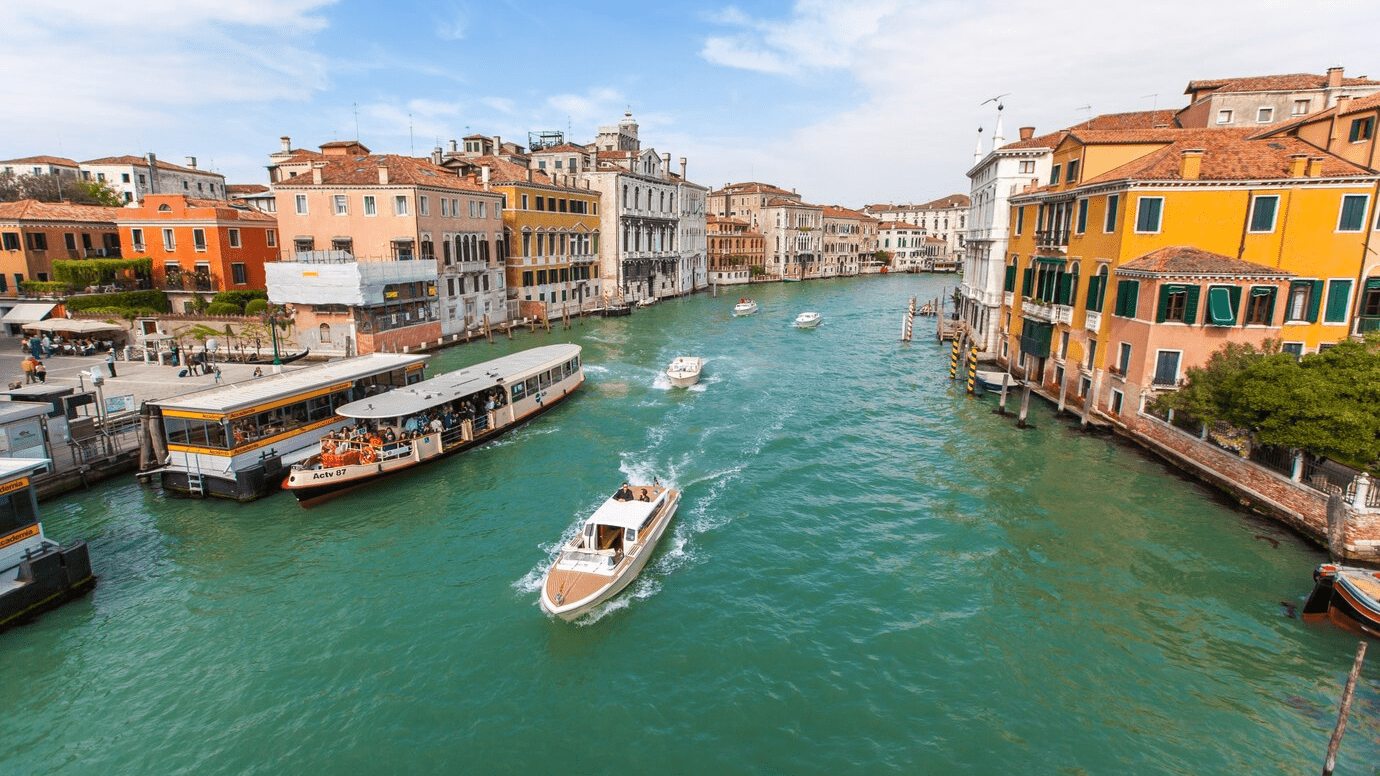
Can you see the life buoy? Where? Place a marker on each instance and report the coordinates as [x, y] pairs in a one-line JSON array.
[[367, 455]]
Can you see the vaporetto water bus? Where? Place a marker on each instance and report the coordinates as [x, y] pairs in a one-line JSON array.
[[35, 573], [383, 435], [237, 441]]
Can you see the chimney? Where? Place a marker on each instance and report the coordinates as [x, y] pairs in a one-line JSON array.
[[1297, 163], [1315, 166], [153, 172], [287, 143], [666, 165], [436, 156], [1190, 164], [682, 169], [485, 177], [498, 145], [529, 174], [191, 162], [1334, 77], [316, 168], [383, 173], [1027, 132], [454, 147], [1343, 100]]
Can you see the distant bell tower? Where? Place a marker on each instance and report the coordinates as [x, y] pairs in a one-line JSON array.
[[620, 138]]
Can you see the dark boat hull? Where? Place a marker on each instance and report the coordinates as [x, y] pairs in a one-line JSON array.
[[50, 578], [1341, 602]]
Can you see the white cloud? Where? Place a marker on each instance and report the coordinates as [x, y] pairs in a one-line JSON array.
[[594, 105], [738, 52], [500, 104], [426, 107], [819, 34], [454, 24]]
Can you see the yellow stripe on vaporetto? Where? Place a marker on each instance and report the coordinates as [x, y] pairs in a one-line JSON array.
[[20, 535], [13, 485], [257, 408]]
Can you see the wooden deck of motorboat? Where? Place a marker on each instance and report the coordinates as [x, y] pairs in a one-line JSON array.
[[572, 584]]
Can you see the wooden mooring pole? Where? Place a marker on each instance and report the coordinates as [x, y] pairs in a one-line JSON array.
[[1331, 762], [1005, 382]]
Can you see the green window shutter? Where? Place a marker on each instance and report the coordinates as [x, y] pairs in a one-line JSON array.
[[1096, 292], [1082, 214], [1235, 294], [1263, 214], [1072, 298], [1163, 310], [1010, 277], [1314, 299], [1338, 294], [1132, 297], [1028, 280], [1191, 305], [1065, 282], [1353, 213], [1270, 308], [1110, 225], [1120, 304]]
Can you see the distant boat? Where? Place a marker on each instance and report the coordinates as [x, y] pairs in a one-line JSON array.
[[991, 381], [807, 320], [685, 371], [1347, 595], [789, 279], [745, 306], [36, 573], [646, 301], [608, 553]]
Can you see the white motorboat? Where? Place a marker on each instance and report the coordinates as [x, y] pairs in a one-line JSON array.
[[685, 371], [612, 547], [807, 320], [745, 306]]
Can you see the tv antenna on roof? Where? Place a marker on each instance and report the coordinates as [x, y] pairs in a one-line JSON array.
[[1087, 108], [1155, 103]]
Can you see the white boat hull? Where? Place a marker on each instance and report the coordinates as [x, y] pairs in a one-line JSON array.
[[620, 579], [684, 372]]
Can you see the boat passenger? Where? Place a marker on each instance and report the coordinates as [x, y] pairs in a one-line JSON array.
[[624, 493], [644, 496], [435, 426]]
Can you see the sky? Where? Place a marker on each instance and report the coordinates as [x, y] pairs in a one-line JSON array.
[[848, 103]]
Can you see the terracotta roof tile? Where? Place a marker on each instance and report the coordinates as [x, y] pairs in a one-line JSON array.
[[1051, 140], [42, 160], [1187, 260], [1145, 119], [139, 161], [1229, 154], [245, 188], [33, 210], [364, 171], [1272, 83]]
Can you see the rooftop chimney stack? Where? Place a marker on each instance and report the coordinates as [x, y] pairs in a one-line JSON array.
[[682, 169], [666, 165], [287, 143], [436, 156], [485, 177], [454, 147], [1027, 132], [1315, 166], [191, 162], [1297, 164], [1334, 77], [1191, 164], [383, 173], [316, 168]]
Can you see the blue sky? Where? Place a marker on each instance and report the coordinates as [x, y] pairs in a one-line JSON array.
[[848, 103]]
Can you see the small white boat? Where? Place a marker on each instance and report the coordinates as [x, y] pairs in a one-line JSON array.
[[807, 320], [685, 371], [646, 301], [612, 547], [745, 306]]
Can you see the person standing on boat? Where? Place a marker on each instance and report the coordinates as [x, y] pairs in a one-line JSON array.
[[624, 493]]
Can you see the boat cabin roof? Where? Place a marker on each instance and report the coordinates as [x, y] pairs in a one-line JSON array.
[[450, 386], [269, 388], [626, 514]]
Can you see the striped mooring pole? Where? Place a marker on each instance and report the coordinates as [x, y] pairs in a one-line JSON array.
[[972, 371], [953, 361]]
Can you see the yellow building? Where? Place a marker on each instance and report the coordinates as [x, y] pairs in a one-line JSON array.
[[552, 233], [1287, 209]]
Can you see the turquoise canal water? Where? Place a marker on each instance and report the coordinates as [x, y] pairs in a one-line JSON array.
[[870, 573]]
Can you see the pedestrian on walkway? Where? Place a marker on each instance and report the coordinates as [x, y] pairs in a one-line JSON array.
[[40, 371], [110, 362], [28, 367]]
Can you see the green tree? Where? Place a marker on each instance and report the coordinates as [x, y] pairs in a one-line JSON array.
[[1204, 396]]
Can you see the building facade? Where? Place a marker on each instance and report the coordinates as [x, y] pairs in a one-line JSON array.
[[736, 251], [200, 246], [135, 177], [33, 234]]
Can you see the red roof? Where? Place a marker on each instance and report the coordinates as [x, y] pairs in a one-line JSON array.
[[1229, 154], [33, 210], [1187, 260], [1272, 83], [364, 171], [1145, 119], [58, 160]]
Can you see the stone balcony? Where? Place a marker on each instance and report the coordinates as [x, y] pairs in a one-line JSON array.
[[1093, 321]]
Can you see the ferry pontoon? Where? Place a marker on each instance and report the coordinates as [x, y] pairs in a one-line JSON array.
[[237, 441], [383, 435]]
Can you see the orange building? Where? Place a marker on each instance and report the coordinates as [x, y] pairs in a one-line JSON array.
[[200, 246], [33, 234]]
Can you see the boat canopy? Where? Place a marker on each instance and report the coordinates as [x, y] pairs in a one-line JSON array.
[[450, 386], [626, 514]]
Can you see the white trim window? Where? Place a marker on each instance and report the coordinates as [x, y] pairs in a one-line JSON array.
[[169, 241], [1149, 214], [371, 207], [234, 237], [1167, 363], [1352, 217], [1263, 210], [272, 235], [1264, 115], [1224, 116], [301, 202], [424, 205], [342, 205], [136, 236], [400, 204], [199, 240]]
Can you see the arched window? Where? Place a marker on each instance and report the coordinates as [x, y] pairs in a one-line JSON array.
[[324, 335], [164, 208]]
